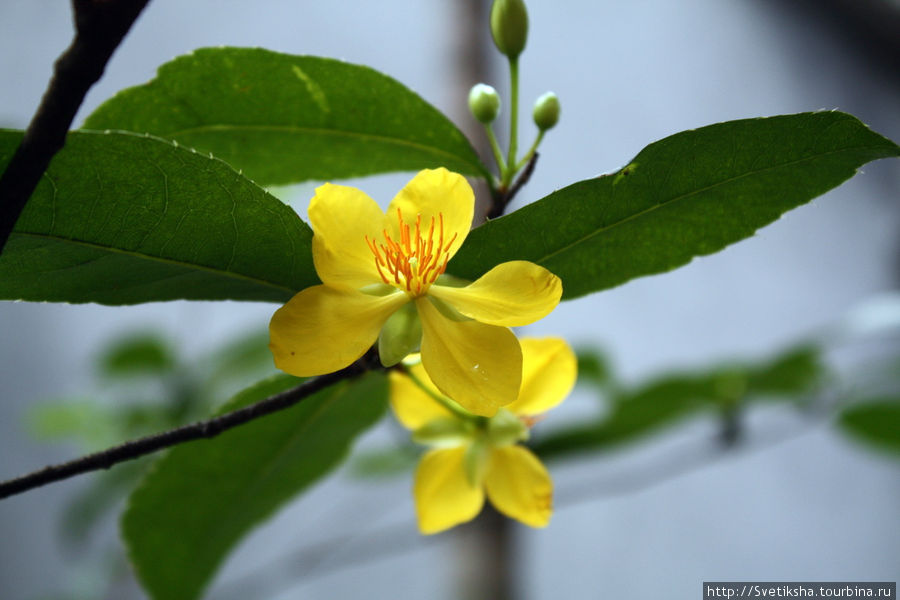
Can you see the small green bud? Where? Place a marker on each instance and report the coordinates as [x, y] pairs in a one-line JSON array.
[[484, 102], [546, 111], [509, 26]]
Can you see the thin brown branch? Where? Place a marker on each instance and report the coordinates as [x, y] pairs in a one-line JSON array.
[[100, 26], [503, 197], [195, 431]]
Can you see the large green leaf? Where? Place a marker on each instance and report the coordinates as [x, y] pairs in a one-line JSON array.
[[875, 422], [201, 498], [283, 118], [120, 218], [687, 195]]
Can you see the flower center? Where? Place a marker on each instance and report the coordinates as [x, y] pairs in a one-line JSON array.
[[415, 260]]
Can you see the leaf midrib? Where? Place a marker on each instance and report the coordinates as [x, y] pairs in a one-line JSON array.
[[211, 128], [666, 203], [149, 257]]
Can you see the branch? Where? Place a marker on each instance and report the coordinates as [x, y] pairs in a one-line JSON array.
[[100, 26], [195, 431], [503, 197]]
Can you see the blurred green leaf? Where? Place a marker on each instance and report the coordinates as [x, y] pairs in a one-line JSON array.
[[688, 195], [120, 219], [248, 353], [137, 354], [874, 422], [797, 371], [791, 375], [81, 418], [87, 508], [283, 119], [593, 367], [202, 497], [384, 462], [634, 414]]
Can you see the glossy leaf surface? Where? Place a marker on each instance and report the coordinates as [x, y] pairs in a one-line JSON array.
[[120, 219], [688, 195], [283, 119]]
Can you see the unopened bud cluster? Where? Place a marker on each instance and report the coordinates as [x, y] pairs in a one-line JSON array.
[[509, 28]]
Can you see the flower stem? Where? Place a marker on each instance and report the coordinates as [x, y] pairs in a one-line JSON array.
[[511, 169], [495, 147], [531, 151], [447, 403]]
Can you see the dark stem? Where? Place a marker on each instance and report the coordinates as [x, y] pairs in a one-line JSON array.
[[503, 197], [100, 26], [195, 431]]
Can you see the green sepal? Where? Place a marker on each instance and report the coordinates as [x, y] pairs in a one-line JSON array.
[[400, 336], [475, 461], [505, 429], [444, 432]]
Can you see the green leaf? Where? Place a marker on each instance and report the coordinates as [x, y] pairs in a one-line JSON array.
[[120, 219], [594, 367], [634, 414], [82, 419], [687, 195], [664, 402], [794, 373], [137, 354], [201, 498], [875, 422], [247, 354], [385, 462], [283, 118]]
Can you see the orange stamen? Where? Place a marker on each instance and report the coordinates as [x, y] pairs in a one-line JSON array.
[[413, 261]]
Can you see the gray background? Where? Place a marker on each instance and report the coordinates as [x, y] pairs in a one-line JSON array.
[[800, 503]]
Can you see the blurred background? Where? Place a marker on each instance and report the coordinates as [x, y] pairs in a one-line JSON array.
[[778, 494]]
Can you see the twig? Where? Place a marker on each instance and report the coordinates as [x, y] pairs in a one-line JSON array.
[[504, 197], [195, 431], [100, 26]]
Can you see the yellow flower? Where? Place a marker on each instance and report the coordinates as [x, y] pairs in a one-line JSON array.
[[381, 274], [477, 455]]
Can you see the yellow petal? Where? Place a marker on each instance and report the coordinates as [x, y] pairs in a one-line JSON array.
[[511, 294], [413, 407], [444, 497], [479, 366], [549, 369], [341, 218], [519, 486], [322, 329], [437, 193]]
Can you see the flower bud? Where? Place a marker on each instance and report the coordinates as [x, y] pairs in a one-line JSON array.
[[546, 111], [484, 102], [509, 26]]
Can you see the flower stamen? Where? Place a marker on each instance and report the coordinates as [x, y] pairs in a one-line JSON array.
[[415, 261]]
